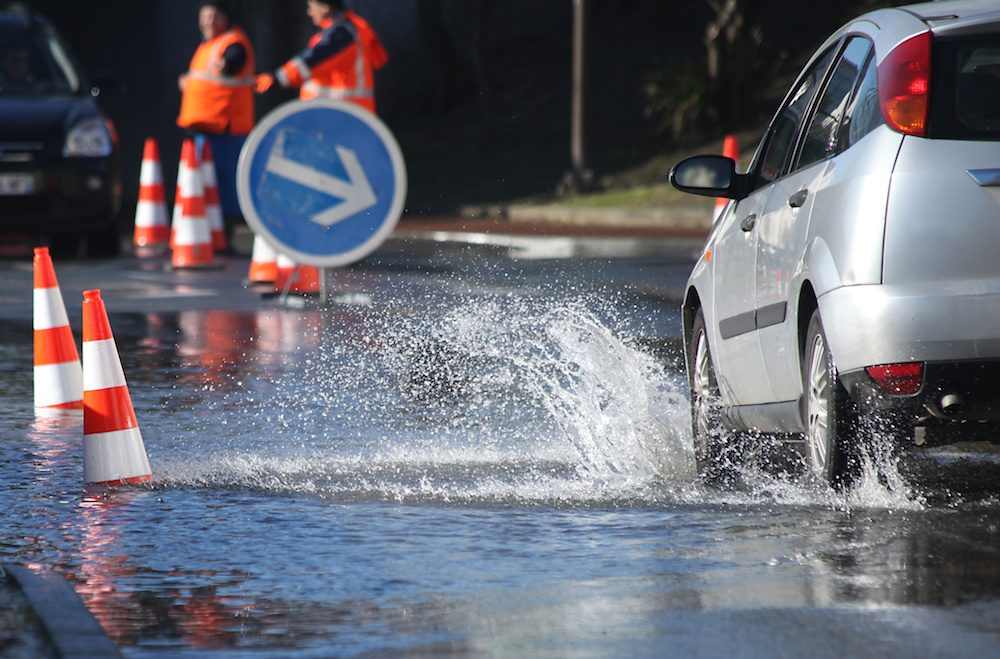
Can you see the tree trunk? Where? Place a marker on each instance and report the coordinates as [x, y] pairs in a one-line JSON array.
[[731, 44]]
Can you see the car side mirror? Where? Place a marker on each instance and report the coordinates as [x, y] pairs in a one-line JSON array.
[[709, 176]]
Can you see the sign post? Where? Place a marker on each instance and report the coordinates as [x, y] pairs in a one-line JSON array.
[[322, 181]]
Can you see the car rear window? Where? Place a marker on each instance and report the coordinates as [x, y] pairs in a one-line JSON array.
[[965, 89]]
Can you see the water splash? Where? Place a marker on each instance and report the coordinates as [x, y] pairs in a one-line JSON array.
[[614, 405], [498, 398], [767, 471]]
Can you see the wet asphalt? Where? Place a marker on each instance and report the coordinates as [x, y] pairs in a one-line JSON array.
[[40, 614]]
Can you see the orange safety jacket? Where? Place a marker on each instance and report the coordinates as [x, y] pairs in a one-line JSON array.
[[214, 103], [347, 73]]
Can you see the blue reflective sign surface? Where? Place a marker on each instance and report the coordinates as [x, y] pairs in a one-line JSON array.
[[323, 181]]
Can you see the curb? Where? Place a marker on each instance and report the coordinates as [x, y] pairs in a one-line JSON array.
[[636, 218], [72, 630]]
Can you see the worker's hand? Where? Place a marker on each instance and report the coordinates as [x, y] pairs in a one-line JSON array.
[[263, 82]]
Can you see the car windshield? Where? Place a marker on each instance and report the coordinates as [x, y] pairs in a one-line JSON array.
[[33, 62]]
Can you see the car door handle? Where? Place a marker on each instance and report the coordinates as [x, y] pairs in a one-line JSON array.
[[748, 222], [797, 199]]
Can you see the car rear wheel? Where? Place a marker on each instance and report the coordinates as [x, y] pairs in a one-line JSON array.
[[830, 416], [706, 403]]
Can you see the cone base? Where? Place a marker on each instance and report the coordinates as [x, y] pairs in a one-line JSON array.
[[263, 274], [73, 405], [135, 480]]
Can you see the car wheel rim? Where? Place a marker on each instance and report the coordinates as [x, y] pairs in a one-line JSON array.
[[701, 389], [818, 407]]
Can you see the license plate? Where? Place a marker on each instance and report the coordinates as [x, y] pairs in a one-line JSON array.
[[16, 184]]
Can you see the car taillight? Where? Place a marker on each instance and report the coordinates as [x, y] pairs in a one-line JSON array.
[[904, 85], [898, 379]]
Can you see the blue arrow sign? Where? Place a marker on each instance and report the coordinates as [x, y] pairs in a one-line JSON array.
[[322, 181]]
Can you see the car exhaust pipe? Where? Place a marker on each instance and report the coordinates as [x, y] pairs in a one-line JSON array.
[[952, 404]]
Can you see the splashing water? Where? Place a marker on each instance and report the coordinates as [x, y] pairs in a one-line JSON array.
[[765, 470], [500, 399], [614, 405]]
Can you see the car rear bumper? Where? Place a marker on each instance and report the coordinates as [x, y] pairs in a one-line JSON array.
[[938, 323], [952, 329], [957, 401], [87, 196]]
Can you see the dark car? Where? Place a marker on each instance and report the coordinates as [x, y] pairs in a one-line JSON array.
[[60, 174]]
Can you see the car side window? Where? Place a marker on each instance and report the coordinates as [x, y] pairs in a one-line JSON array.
[[864, 113], [820, 140], [785, 127]]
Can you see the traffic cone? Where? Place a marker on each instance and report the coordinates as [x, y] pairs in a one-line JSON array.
[[729, 150], [191, 238], [263, 262], [151, 228], [58, 375], [213, 210], [295, 278], [113, 452]]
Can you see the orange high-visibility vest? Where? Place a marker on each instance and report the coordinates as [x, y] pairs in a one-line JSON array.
[[348, 75], [214, 103]]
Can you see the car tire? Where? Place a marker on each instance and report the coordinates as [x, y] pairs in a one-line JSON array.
[[706, 401], [829, 415]]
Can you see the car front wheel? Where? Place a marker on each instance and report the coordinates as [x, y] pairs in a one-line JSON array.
[[706, 403], [830, 415]]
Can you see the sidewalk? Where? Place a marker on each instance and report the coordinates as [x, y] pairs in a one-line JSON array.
[[664, 231], [567, 220], [562, 231]]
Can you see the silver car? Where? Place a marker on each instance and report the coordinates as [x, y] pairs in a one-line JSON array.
[[851, 287]]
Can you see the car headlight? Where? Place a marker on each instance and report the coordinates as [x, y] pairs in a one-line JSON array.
[[89, 138]]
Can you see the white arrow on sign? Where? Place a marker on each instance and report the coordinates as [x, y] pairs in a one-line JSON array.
[[356, 192]]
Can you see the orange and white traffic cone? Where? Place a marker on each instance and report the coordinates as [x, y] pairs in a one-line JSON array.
[[729, 150], [263, 262], [213, 210], [191, 238], [151, 228], [113, 452], [295, 278], [58, 374]]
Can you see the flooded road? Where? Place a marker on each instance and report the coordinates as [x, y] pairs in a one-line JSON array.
[[473, 450]]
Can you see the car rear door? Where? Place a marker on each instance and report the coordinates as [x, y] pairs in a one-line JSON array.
[[784, 231], [742, 368]]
